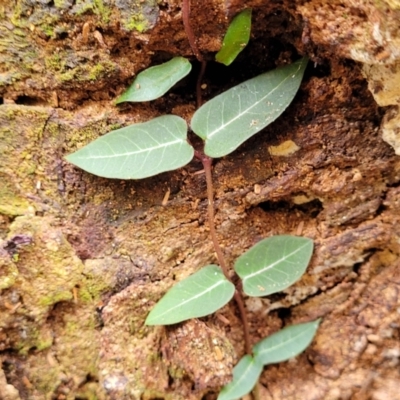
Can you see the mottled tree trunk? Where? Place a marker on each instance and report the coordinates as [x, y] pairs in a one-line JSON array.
[[83, 259]]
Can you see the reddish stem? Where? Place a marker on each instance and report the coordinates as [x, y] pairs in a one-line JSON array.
[[188, 29], [198, 85], [207, 162]]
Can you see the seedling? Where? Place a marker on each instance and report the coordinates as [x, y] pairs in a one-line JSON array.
[[223, 123]]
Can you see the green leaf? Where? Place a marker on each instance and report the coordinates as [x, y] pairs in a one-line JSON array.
[[236, 38], [286, 343], [137, 151], [199, 295], [232, 117], [245, 376], [273, 264], [153, 82]]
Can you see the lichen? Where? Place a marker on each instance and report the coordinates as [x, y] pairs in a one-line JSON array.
[[101, 10], [138, 15], [48, 260], [62, 3], [138, 23], [9, 271], [11, 203], [96, 6], [85, 73]]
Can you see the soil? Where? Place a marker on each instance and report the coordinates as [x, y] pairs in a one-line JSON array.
[[84, 259]]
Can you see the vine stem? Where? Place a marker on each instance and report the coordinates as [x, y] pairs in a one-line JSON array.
[[194, 47], [207, 164], [238, 296], [189, 30], [198, 84]]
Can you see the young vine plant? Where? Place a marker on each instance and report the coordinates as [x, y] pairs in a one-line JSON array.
[[145, 149]]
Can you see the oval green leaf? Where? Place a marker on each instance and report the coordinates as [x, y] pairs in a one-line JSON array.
[[236, 38], [137, 151], [273, 264], [245, 376], [286, 343], [153, 82], [232, 117], [199, 295]]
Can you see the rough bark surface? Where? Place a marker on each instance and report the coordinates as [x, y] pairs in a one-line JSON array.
[[83, 259]]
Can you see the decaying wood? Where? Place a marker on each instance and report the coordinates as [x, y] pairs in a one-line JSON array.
[[83, 259]]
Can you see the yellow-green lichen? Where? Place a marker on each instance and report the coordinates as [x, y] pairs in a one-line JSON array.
[[33, 337], [85, 73], [44, 341], [96, 72], [78, 138], [54, 62], [101, 10], [55, 297], [95, 6], [142, 15], [383, 4], [11, 203], [138, 23], [62, 3], [48, 30], [16, 18], [91, 289], [8, 273]]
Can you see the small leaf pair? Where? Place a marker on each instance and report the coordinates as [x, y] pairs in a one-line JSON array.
[[281, 346], [270, 266]]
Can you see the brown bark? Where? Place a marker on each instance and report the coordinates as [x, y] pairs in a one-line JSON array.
[[83, 259]]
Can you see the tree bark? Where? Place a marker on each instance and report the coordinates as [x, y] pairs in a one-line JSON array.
[[84, 259]]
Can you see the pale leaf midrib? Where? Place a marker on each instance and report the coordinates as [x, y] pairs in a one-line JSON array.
[[285, 343], [209, 289], [130, 153], [247, 110], [260, 271]]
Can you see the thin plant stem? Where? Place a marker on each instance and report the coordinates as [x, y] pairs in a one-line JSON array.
[[198, 84], [189, 30], [243, 316], [193, 46], [207, 164], [207, 161]]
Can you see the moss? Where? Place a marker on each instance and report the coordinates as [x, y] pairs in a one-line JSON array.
[[88, 392], [16, 19], [92, 288], [68, 76], [9, 273], [138, 23], [101, 10], [96, 72], [78, 138], [139, 15], [44, 342], [55, 297], [11, 203], [48, 30], [114, 127], [95, 6], [34, 338], [62, 4], [85, 73], [54, 62], [19, 32], [383, 4]]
